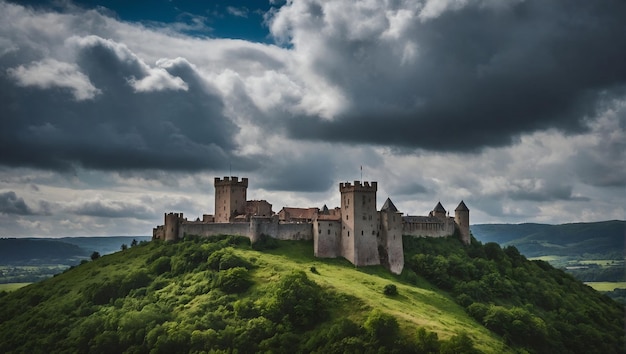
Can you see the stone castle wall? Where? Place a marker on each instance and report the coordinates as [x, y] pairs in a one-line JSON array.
[[252, 230], [428, 226], [326, 238]]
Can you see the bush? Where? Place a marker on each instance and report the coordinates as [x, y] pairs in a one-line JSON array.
[[383, 328], [234, 280], [95, 255], [265, 242], [390, 290], [298, 300], [162, 265]]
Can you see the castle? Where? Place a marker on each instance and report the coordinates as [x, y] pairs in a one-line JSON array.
[[355, 231]]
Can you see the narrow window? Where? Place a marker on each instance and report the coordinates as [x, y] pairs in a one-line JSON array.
[[329, 231], [348, 233], [361, 232]]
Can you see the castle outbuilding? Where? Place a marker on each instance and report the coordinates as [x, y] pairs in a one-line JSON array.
[[355, 231]]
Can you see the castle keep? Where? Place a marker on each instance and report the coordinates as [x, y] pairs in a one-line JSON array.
[[356, 230]]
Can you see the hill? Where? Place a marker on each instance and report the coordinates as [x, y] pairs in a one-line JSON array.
[[27, 260], [605, 238], [39, 251], [220, 294]]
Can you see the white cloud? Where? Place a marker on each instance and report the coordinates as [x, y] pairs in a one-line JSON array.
[[50, 73]]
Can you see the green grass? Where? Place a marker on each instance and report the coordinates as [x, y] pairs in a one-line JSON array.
[[605, 286], [414, 306], [12, 286]]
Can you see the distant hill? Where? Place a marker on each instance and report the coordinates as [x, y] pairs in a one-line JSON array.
[[29, 251], [103, 244], [65, 250], [536, 240]]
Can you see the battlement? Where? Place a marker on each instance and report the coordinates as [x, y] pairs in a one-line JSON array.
[[173, 216], [230, 181], [358, 187]]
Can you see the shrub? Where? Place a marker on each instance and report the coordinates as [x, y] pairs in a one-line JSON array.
[[390, 290], [162, 265], [234, 280], [265, 242], [298, 300], [383, 328]]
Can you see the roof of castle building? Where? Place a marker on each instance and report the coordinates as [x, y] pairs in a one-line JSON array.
[[439, 207], [461, 207], [388, 206], [298, 213]]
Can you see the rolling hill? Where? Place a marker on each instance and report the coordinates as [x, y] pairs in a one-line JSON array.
[[222, 295], [535, 240]]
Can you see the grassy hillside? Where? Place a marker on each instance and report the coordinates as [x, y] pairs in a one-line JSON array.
[[222, 295]]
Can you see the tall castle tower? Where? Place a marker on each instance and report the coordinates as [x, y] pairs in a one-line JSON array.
[[461, 218], [230, 198], [359, 220], [391, 238]]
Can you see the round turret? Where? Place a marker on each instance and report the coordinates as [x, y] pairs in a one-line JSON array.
[[461, 218]]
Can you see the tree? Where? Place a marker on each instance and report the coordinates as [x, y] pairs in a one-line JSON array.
[[133, 243], [383, 328], [95, 255], [123, 247]]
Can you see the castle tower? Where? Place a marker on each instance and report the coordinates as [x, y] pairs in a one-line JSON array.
[[439, 211], [461, 218], [171, 226], [230, 198], [390, 240], [359, 223]]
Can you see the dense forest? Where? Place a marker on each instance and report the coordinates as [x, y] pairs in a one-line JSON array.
[[530, 304], [222, 295]]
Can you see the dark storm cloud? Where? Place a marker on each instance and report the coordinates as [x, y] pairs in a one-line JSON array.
[[113, 209], [110, 111], [479, 75], [312, 172], [543, 194], [409, 189], [10, 203]]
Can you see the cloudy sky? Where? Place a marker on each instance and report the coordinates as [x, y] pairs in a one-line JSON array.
[[112, 114]]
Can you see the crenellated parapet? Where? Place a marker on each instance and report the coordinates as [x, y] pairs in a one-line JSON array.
[[358, 187], [230, 181]]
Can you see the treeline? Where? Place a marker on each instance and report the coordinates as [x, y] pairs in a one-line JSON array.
[[532, 305], [594, 272], [197, 296]]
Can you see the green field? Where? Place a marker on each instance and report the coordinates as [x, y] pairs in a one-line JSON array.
[[12, 286], [605, 286]]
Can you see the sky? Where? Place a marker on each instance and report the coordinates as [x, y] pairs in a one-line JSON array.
[[114, 112]]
